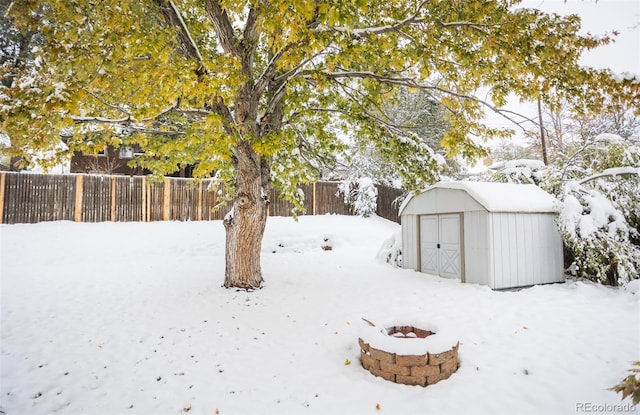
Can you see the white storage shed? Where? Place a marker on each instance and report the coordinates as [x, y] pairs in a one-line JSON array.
[[498, 234]]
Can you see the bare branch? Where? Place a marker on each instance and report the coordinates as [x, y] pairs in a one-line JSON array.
[[268, 74], [391, 80]]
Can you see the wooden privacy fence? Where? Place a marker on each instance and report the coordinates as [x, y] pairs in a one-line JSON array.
[[32, 198]]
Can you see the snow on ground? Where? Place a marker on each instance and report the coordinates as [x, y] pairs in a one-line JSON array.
[[116, 318]]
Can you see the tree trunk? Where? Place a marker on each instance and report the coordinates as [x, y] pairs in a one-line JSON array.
[[545, 158], [246, 221]]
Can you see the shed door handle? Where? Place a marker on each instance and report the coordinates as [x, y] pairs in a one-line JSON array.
[[438, 246]]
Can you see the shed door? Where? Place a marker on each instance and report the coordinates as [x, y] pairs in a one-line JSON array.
[[429, 245], [440, 245]]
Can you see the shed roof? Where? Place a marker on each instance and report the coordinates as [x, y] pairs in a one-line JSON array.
[[499, 197]]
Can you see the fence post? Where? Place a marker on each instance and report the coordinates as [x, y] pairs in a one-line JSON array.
[[78, 205], [313, 199], [143, 208], [113, 199], [2, 182], [166, 210], [199, 207], [148, 207]]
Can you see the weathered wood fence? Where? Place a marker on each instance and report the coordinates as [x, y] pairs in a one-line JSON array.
[[32, 198]]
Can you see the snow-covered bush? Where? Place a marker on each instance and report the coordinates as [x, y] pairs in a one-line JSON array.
[[598, 236], [361, 194], [391, 250], [604, 152], [599, 187], [522, 171], [525, 171]]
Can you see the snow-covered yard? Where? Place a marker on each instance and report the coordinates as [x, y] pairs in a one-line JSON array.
[[117, 318]]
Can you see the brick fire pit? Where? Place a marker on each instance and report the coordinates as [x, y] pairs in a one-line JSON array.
[[408, 355]]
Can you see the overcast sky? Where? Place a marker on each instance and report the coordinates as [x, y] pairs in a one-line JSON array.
[[598, 18], [602, 17]]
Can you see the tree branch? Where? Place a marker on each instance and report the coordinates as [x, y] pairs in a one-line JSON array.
[[101, 120], [411, 83], [129, 122], [220, 108], [387, 123], [108, 104], [164, 112], [249, 34], [173, 17], [273, 105], [298, 68], [192, 111], [268, 75], [224, 29], [154, 131], [475, 26], [374, 30], [618, 171]]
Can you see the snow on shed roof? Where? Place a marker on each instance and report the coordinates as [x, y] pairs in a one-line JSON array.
[[500, 197]]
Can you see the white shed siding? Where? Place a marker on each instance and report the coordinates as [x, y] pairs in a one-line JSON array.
[[525, 250], [476, 247], [437, 201], [505, 247], [553, 260], [409, 225]]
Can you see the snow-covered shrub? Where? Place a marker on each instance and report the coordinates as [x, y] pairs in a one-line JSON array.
[[599, 237], [361, 194], [599, 186], [391, 250], [525, 171], [600, 216]]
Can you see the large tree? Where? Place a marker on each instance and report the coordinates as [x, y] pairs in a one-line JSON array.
[[260, 92]]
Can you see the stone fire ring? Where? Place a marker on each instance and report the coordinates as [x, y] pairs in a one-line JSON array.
[[410, 355]]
